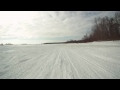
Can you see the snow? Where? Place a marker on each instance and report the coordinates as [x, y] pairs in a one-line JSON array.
[[96, 60]]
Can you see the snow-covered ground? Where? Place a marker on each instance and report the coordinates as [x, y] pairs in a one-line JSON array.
[[100, 60]]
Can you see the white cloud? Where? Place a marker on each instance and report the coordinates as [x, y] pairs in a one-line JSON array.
[[46, 24]]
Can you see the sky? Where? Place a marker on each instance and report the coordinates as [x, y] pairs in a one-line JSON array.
[[36, 27]]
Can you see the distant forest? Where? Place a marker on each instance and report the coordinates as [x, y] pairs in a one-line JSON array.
[[103, 29]]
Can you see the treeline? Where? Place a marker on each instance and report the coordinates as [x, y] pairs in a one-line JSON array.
[[55, 43], [104, 29], [6, 44]]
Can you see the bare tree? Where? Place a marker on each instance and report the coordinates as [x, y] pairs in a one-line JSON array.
[[104, 29]]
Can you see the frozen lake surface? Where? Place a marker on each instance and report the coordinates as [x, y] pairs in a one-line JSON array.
[[97, 60]]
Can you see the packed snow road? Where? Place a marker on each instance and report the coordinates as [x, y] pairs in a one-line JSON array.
[[66, 61]]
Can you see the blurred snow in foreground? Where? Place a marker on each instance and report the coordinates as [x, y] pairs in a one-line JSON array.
[[99, 60]]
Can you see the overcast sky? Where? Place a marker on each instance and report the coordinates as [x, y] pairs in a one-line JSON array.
[[37, 27]]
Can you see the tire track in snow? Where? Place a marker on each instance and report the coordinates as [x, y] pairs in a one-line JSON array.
[[102, 52], [40, 59], [60, 61], [97, 59], [97, 65], [85, 62], [40, 66], [48, 67], [72, 65], [55, 64], [20, 69]]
